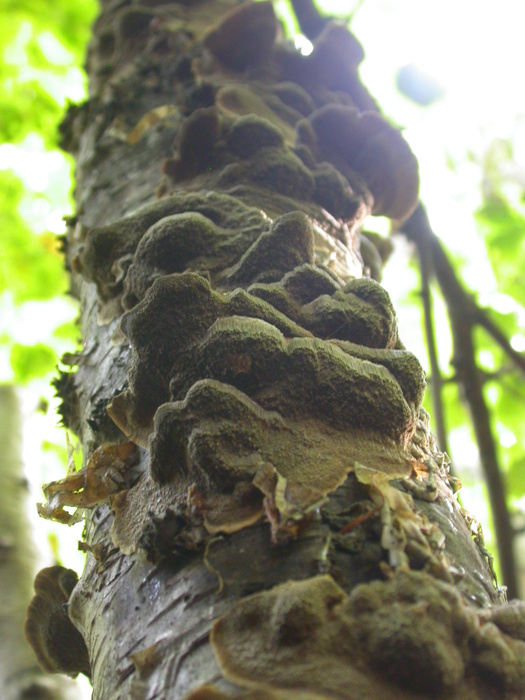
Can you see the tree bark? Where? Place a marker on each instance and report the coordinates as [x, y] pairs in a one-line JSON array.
[[20, 676], [269, 514]]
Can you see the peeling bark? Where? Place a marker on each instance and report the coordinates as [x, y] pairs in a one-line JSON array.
[[285, 490]]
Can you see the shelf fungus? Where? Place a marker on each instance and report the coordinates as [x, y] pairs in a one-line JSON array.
[[181, 330], [288, 244], [332, 162], [222, 226], [407, 638], [164, 330], [250, 133], [277, 170], [366, 146], [330, 71], [208, 692], [238, 434], [335, 57], [245, 36], [246, 413], [57, 643], [196, 140], [182, 242], [240, 100], [106, 473]]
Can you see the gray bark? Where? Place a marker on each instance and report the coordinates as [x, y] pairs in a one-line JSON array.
[[282, 490]]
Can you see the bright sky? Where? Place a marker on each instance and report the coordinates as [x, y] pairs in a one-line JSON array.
[[475, 48]]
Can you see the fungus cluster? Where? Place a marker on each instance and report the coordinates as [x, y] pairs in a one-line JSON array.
[[410, 637], [58, 645], [260, 361]]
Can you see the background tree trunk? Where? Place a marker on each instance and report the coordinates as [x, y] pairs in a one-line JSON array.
[[20, 676], [280, 486]]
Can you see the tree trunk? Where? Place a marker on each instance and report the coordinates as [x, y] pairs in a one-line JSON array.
[[20, 677], [269, 514]]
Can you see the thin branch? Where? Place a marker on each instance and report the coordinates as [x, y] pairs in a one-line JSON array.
[[513, 390], [483, 320], [355, 10], [498, 375], [436, 382], [463, 316], [310, 19]]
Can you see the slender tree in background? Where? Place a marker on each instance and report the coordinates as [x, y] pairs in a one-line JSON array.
[[268, 514], [20, 676]]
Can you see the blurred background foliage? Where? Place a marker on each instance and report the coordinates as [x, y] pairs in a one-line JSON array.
[[447, 73], [43, 43]]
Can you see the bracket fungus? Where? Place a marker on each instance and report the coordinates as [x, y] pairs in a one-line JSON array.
[[105, 253], [174, 315], [212, 372], [238, 402], [184, 307], [367, 146], [288, 244], [170, 245], [239, 100], [407, 638], [208, 692], [57, 643], [195, 144], [249, 133], [275, 169], [245, 36]]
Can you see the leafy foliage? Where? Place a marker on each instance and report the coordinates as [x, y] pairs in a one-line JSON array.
[[45, 42], [503, 228], [44, 45], [31, 361], [30, 266]]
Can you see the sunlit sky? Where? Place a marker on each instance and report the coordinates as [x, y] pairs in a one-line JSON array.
[[476, 51]]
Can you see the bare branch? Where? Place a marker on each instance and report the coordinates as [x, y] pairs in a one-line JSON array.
[[463, 315]]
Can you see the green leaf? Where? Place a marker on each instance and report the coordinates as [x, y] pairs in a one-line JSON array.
[[515, 478], [68, 331], [456, 412], [27, 107], [31, 361], [31, 267], [509, 403], [69, 21], [504, 231], [43, 44]]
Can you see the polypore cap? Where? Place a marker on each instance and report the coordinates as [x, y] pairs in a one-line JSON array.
[[57, 643], [373, 149]]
